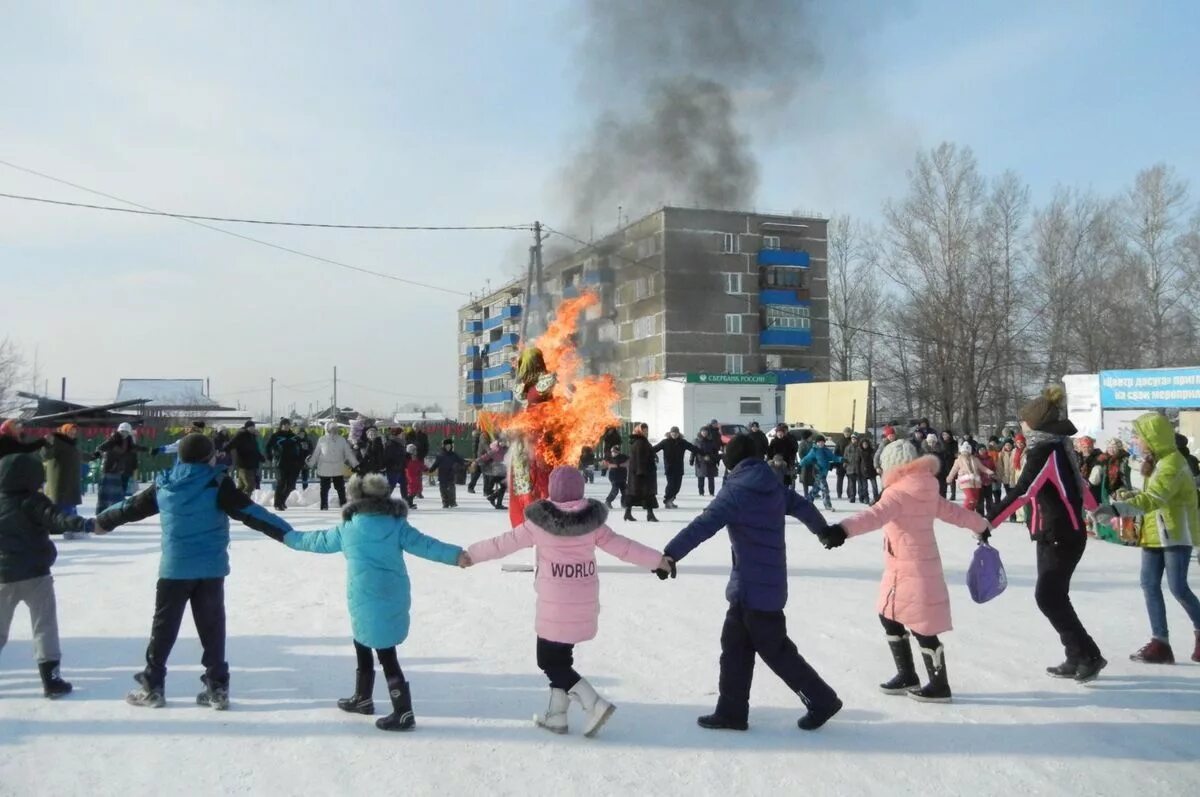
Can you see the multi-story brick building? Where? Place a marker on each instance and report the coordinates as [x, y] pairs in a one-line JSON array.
[[681, 291]]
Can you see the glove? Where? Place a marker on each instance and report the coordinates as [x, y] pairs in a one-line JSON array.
[[833, 536], [668, 572]]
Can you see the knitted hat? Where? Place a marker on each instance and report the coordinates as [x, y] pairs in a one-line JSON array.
[[889, 431], [965, 448], [447, 442], [330, 427], [897, 453], [195, 448], [67, 428], [411, 448], [248, 425], [738, 448], [566, 484], [1045, 409], [674, 430], [1019, 438], [373, 485], [125, 428]]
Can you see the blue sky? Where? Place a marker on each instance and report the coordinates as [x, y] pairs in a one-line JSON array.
[[420, 113]]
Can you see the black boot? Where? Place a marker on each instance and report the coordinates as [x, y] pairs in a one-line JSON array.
[[215, 694], [816, 717], [53, 686], [906, 674], [362, 701], [650, 516], [1065, 670], [938, 688], [629, 514], [1089, 668], [401, 718], [716, 722]]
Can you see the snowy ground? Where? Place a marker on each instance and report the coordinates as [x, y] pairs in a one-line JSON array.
[[470, 659]]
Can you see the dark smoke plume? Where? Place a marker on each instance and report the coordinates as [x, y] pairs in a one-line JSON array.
[[677, 86]]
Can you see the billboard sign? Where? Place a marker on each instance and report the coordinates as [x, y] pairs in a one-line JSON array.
[[1162, 387]]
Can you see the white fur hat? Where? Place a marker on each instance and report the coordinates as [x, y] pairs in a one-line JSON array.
[[897, 453], [965, 448]]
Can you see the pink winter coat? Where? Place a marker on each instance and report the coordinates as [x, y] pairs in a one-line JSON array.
[[913, 591], [566, 537]]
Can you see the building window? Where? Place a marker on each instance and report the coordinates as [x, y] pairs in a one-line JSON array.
[[645, 366], [733, 283], [607, 332], [641, 288], [782, 316], [733, 324], [648, 246], [730, 243], [770, 242], [796, 278], [643, 327], [750, 405], [735, 364]]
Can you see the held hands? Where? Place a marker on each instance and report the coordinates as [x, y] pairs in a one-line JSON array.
[[665, 569], [1105, 513], [833, 536], [983, 536], [464, 560]]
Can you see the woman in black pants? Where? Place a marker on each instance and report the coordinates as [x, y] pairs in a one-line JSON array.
[[1050, 481]]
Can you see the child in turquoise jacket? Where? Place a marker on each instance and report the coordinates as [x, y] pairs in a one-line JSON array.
[[820, 459], [374, 536]]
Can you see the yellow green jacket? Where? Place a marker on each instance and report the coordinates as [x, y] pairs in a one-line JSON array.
[[1167, 504]]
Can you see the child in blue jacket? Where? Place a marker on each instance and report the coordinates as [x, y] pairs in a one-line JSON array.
[[374, 536], [196, 501], [753, 504], [820, 459]]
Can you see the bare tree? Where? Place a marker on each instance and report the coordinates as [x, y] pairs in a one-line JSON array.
[[12, 367], [855, 297]]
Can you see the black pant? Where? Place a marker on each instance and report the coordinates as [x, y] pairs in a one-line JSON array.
[[496, 491], [712, 484], [304, 478], [285, 482], [674, 483], [590, 475], [557, 660], [449, 494], [1056, 563], [398, 478], [841, 478], [387, 660], [851, 487], [171, 596], [339, 484], [474, 480], [892, 628], [747, 632], [618, 489]]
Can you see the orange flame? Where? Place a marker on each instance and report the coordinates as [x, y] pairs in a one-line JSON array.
[[582, 406]]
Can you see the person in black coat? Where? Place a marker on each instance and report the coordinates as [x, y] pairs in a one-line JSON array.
[[673, 447], [708, 461], [285, 448], [446, 464], [784, 445], [370, 453], [643, 475], [618, 475], [587, 463], [761, 443], [395, 461], [12, 433], [247, 459]]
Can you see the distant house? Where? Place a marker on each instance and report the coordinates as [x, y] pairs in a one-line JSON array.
[[176, 400], [43, 412]]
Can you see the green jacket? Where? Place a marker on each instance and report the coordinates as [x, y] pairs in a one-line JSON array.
[[62, 459], [1167, 504]]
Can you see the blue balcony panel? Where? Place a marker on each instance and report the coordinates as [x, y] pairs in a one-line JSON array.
[[510, 339], [473, 399], [471, 351], [782, 257], [498, 397], [497, 371], [510, 311], [595, 278], [492, 322], [793, 377], [784, 296], [785, 337], [472, 327], [570, 291], [474, 375]]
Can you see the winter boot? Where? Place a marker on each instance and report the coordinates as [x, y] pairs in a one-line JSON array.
[[215, 694], [1196, 652], [650, 516], [1065, 670], [816, 717], [362, 701], [906, 674], [1156, 652], [555, 718], [53, 686], [597, 709], [608, 504], [147, 695], [401, 718], [938, 688], [629, 514], [1088, 669], [715, 722]]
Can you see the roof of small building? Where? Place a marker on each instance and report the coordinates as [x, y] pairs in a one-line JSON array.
[[166, 392]]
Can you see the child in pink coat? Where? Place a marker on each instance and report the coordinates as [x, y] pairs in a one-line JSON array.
[[566, 530], [913, 593]]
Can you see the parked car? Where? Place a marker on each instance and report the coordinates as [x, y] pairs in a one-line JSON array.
[[730, 430]]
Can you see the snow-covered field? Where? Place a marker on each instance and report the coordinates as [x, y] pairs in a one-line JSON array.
[[470, 659]]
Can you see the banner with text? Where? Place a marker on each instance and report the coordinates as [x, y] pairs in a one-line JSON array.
[[1162, 387]]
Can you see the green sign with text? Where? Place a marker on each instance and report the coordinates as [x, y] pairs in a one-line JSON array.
[[733, 379]]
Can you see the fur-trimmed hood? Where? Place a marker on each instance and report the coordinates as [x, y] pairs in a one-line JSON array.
[[927, 464], [572, 519], [371, 495]]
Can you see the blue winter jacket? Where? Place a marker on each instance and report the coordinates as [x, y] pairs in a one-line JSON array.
[[374, 537], [752, 504], [196, 501], [820, 458]]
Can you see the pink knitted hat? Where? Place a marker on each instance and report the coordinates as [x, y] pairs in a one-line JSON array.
[[566, 484]]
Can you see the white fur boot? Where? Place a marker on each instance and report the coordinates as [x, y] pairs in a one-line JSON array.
[[597, 709], [555, 718]]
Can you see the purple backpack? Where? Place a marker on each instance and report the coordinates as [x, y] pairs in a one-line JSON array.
[[985, 576]]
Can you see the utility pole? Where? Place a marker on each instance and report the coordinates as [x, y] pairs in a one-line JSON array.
[[534, 295], [64, 389], [271, 413], [335, 404]]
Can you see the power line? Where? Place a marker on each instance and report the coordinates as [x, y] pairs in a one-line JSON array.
[[233, 220], [392, 393], [242, 236]]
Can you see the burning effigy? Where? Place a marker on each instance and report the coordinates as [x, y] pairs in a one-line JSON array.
[[557, 410]]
